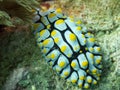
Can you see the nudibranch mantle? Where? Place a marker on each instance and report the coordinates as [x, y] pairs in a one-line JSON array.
[[68, 47]]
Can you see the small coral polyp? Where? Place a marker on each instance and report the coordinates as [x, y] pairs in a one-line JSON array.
[[68, 47]]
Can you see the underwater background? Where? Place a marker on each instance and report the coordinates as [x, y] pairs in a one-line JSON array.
[[21, 63]]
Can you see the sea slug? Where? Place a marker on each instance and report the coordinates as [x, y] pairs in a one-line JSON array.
[[68, 47]]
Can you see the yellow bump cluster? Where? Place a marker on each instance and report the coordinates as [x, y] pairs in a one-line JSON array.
[[80, 51], [98, 48], [72, 37], [82, 77], [66, 73], [94, 71], [83, 36], [84, 63], [92, 39], [59, 10], [46, 42], [91, 56], [73, 64], [44, 50], [51, 63], [42, 32], [51, 15], [53, 33], [78, 22], [52, 55], [48, 26], [98, 61], [74, 81], [63, 48], [57, 69], [89, 80], [56, 40], [94, 82], [77, 47], [79, 28], [60, 21], [80, 85], [86, 86], [91, 49], [61, 64]]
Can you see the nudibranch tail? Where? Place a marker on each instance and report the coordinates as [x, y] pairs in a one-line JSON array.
[[68, 47]]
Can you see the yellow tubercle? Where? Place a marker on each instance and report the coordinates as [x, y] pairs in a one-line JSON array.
[[61, 64], [63, 48], [66, 73], [85, 41], [80, 85], [83, 36], [91, 56], [48, 26], [86, 48], [42, 32], [44, 50], [48, 56], [74, 81], [46, 42], [91, 49], [87, 70], [77, 47], [82, 77], [94, 82], [98, 78], [71, 18], [89, 80], [64, 17], [72, 37], [59, 10], [98, 75], [73, 64], [86, 86], [60, 21], [78, 22], [53, 33], [89, 33], [98, 61], [98, 48], [56, 40], [69, 55], [79, 28], [94, 71], [92, 39], [51, 63], [52, 55], [62, 76], [80, 51], [84, 63], [57, 69], [51, 15], [39, 44]]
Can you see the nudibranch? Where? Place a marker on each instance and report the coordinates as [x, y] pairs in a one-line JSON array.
[[68, 47]]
